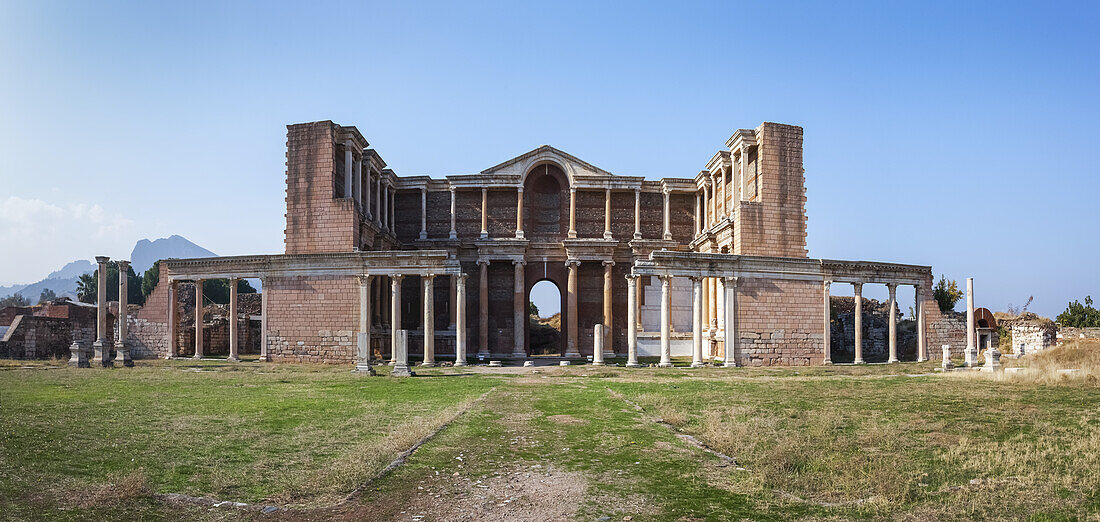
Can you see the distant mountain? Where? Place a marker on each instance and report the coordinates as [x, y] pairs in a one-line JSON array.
[[148, 252], [75, 269], [62, 282]]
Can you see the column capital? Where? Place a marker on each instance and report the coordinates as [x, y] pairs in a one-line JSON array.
[[428, 276], [364, 279], [572, 262], [423, 190], [827, 282], [891, 287], [858, 285], [519, 188], [631, 276], [665, 278], [122, 264], [519, 262], [666, 191], [396, 278], [461, 278], [730, 280], [483, 262], [696, 279], [102, 259], [452, 189], [572, 190], [608, 262]]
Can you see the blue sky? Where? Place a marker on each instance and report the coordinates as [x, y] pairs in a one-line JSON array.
[[960, 135]]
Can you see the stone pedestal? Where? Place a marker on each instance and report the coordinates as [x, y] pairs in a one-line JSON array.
[[122, 352], [946, 363], [362, 362], [102, 354], [79, 357], [401, 354], [971, 357], [597, 345], [992, 360]]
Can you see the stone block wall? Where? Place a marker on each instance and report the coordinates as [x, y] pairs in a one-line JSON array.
[[773, 222], [33, 337], [312, 319], [1066, 333], [316, 221], [1035, 336], [780, 322]]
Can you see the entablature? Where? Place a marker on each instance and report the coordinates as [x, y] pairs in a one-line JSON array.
[[375, 262]]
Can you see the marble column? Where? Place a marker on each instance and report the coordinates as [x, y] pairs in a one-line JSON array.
[[607, 215], [827, 326], [696, 322], [732, 353], [708, 202], [198, 319], [666, 317], [631, 321], [698, 215], [893, 324], [122, 345], [423, 213], [378, 202], [452, 302], [922, 349], [519, 213], [234, 349], [637, 214], [264, 356], [367, 199], [393, 210], [349, 169], [385, 207], [858, 289], [598, 335], [173, 320], [519, 311], [460, 328], [572, 213], [102, 345], [483, 309], [401, 357], [429, 320], [609, 350], [357, 184], [454, 233], [741, 182], [362, 338], [667, 236], [571, 348], [484, 213], [705, 283], [725, 194], [395, 315], [971, 344]]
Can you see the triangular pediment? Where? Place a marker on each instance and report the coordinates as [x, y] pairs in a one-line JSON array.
[[573, 166]]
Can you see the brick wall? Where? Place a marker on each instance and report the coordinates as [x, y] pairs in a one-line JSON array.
[[773, 221], [315, 220], [32, 337], [312, 319], [780, 322]]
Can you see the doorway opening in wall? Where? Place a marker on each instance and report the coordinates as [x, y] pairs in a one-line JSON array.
[[544, 319]]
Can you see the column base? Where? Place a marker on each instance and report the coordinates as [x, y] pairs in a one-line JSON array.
[[894, 360], [519, 235], [665, 365], [363, 369], [123, 353], [197, 356], [102, 355], [428, 364], [233, 359], [573, 354], [667, 237], [423, 235], [633, 365], [827, 362], [859, 361], [459, 364], [729, 364], [922, 359], [402, 370], [637, 236], [607, 235], [572, 234], [597, 363], [484, 235], [452, 235], [697, 365], [79, 357]]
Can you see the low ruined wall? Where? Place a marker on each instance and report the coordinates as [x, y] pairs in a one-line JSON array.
[[31, 337], [1066, 333], [949, 329], [1034, 336]]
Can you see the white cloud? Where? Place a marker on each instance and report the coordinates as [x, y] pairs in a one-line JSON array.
[[37, 237]]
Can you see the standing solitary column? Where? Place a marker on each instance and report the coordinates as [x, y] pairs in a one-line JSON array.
[[519, 213], [668, 232], [395, 314], [571, 310], [572, 213], [429, 320], [971, 344], [263, 318], [609, 351], [198, 319], [423, 213], [454, 233], [922, 350], [362, 363], [460, 329], [607, 215], [597, 345], [484, 215], [483, 309], [858, 288], [173, 320], [637, 214], [233, 348], [733, 336], [893, 324], [519, 311], [102, 343], [666, 317], [348, 169], [631, 321], [696, 322], [122, 346], [827, 326]]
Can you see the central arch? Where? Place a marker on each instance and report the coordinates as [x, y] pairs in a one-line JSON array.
[[546, 206], [545, 334]]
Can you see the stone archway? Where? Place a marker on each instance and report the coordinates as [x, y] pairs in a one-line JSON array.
[[546, 336], [546, 207]]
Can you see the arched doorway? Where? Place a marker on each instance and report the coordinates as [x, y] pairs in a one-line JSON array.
[[546, 187], [544, 328]]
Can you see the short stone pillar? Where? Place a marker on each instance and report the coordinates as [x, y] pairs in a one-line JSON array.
[[79, 357], [597, 345], [971, 357], [946, 363], [401, 354], [362, 362], [992, 360]]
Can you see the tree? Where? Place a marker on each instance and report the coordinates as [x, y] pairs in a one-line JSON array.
[[46, 296], [87, 286], [946, 293], [14, 300], [532, 309], [1079, 315], [150, 279], [217, 290]]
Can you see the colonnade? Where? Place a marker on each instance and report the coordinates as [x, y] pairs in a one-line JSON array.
[[358, 186], [519, 232], [234, 327], [104, 342], [857, 288], [711, 207]]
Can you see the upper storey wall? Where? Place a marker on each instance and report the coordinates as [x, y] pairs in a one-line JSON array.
[[770, 218], [316, 220]]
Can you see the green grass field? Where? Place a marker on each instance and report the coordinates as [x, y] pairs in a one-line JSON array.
[[836, 442]]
